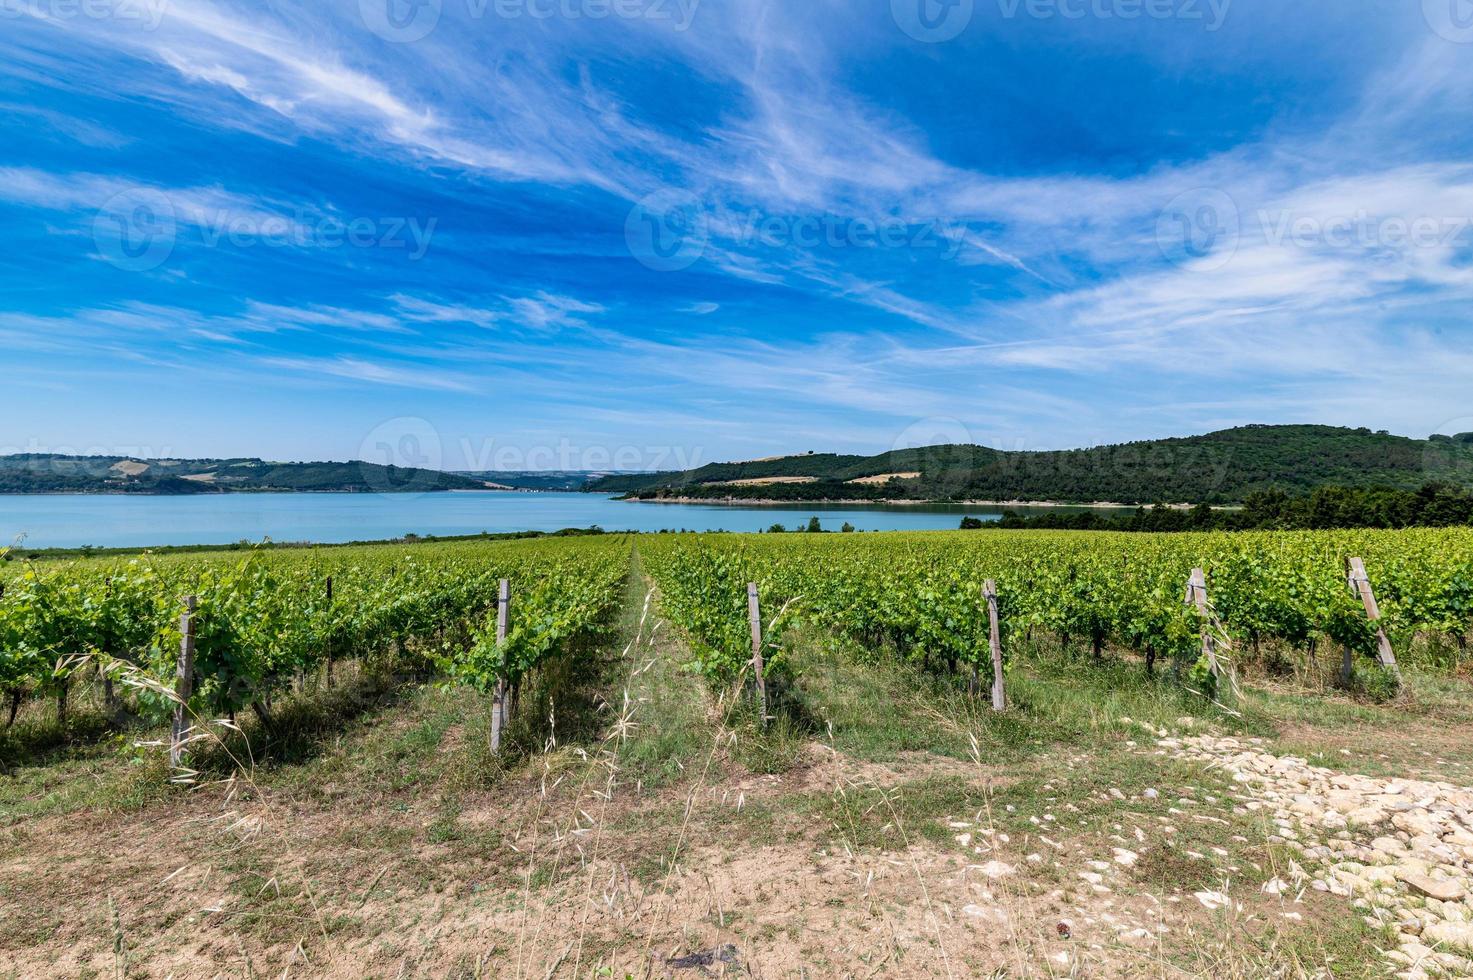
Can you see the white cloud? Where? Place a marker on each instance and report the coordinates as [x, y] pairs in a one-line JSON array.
[[547, 311], [356, 369]]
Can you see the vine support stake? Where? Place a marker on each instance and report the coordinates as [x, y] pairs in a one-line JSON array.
[[994, 641], [329, 635], [754, 617], [183, 681], [498, 703], [1356, 573], [1197, 597]]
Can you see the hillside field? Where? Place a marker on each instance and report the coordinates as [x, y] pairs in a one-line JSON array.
[[1216, 468]]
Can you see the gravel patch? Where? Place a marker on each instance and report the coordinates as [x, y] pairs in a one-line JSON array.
[[1400, 850]]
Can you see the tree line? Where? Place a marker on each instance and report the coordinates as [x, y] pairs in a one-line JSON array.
[[1325, 508]]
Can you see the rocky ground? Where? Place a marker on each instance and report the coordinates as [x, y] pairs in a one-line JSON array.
[[1399, 850]]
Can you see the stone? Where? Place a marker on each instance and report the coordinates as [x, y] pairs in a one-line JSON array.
[[1212, 900], [1366, 816], [992, 913], [1450, 933], [1442, 889], [996, 869]]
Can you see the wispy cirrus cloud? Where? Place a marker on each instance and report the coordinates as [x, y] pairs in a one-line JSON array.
[[374, 373], [1062, 152]]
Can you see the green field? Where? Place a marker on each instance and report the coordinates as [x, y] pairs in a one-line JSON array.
[[338, 808]]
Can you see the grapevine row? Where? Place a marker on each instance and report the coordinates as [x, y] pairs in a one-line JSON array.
[[272, 616], [920, 594]]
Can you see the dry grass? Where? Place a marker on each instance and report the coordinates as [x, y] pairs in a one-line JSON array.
[[644, 823]]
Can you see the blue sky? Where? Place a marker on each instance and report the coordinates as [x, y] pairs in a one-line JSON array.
[[593, 233]]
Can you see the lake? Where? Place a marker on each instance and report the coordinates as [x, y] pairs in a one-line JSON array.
[[117, 520]]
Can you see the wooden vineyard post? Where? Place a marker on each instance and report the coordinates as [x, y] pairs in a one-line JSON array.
[[994, 641], [754, 618], [498, 703], [329, 635], [1361, 583], [183, 681], [1197, 596]]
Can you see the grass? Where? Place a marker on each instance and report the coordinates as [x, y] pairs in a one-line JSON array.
[[396, 841], [881, 712], [672, 727], [1331, 728], [888, 817]]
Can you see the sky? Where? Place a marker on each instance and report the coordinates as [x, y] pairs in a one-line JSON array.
[[593, 234]]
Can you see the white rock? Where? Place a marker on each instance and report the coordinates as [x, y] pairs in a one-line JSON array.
[[1450, 933], [991, 914], [1213, 900], [1442, 889]]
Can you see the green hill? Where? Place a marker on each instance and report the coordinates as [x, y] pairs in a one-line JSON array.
[[52, 473], [1220, 467]]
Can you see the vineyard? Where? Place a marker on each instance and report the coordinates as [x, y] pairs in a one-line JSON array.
[[267, 620], [919, 597], [719, 747], [263, 623]]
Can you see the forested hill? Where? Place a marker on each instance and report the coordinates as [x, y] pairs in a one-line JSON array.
[[1220, 467], [50, 473]]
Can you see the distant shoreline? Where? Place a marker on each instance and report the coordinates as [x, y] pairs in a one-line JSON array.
[[799, 504], [257, 491]]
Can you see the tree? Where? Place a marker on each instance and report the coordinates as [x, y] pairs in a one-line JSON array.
[[847, 528], [777, 529], [813, 526]]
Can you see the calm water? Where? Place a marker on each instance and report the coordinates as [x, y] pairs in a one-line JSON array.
[[73, 520]]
